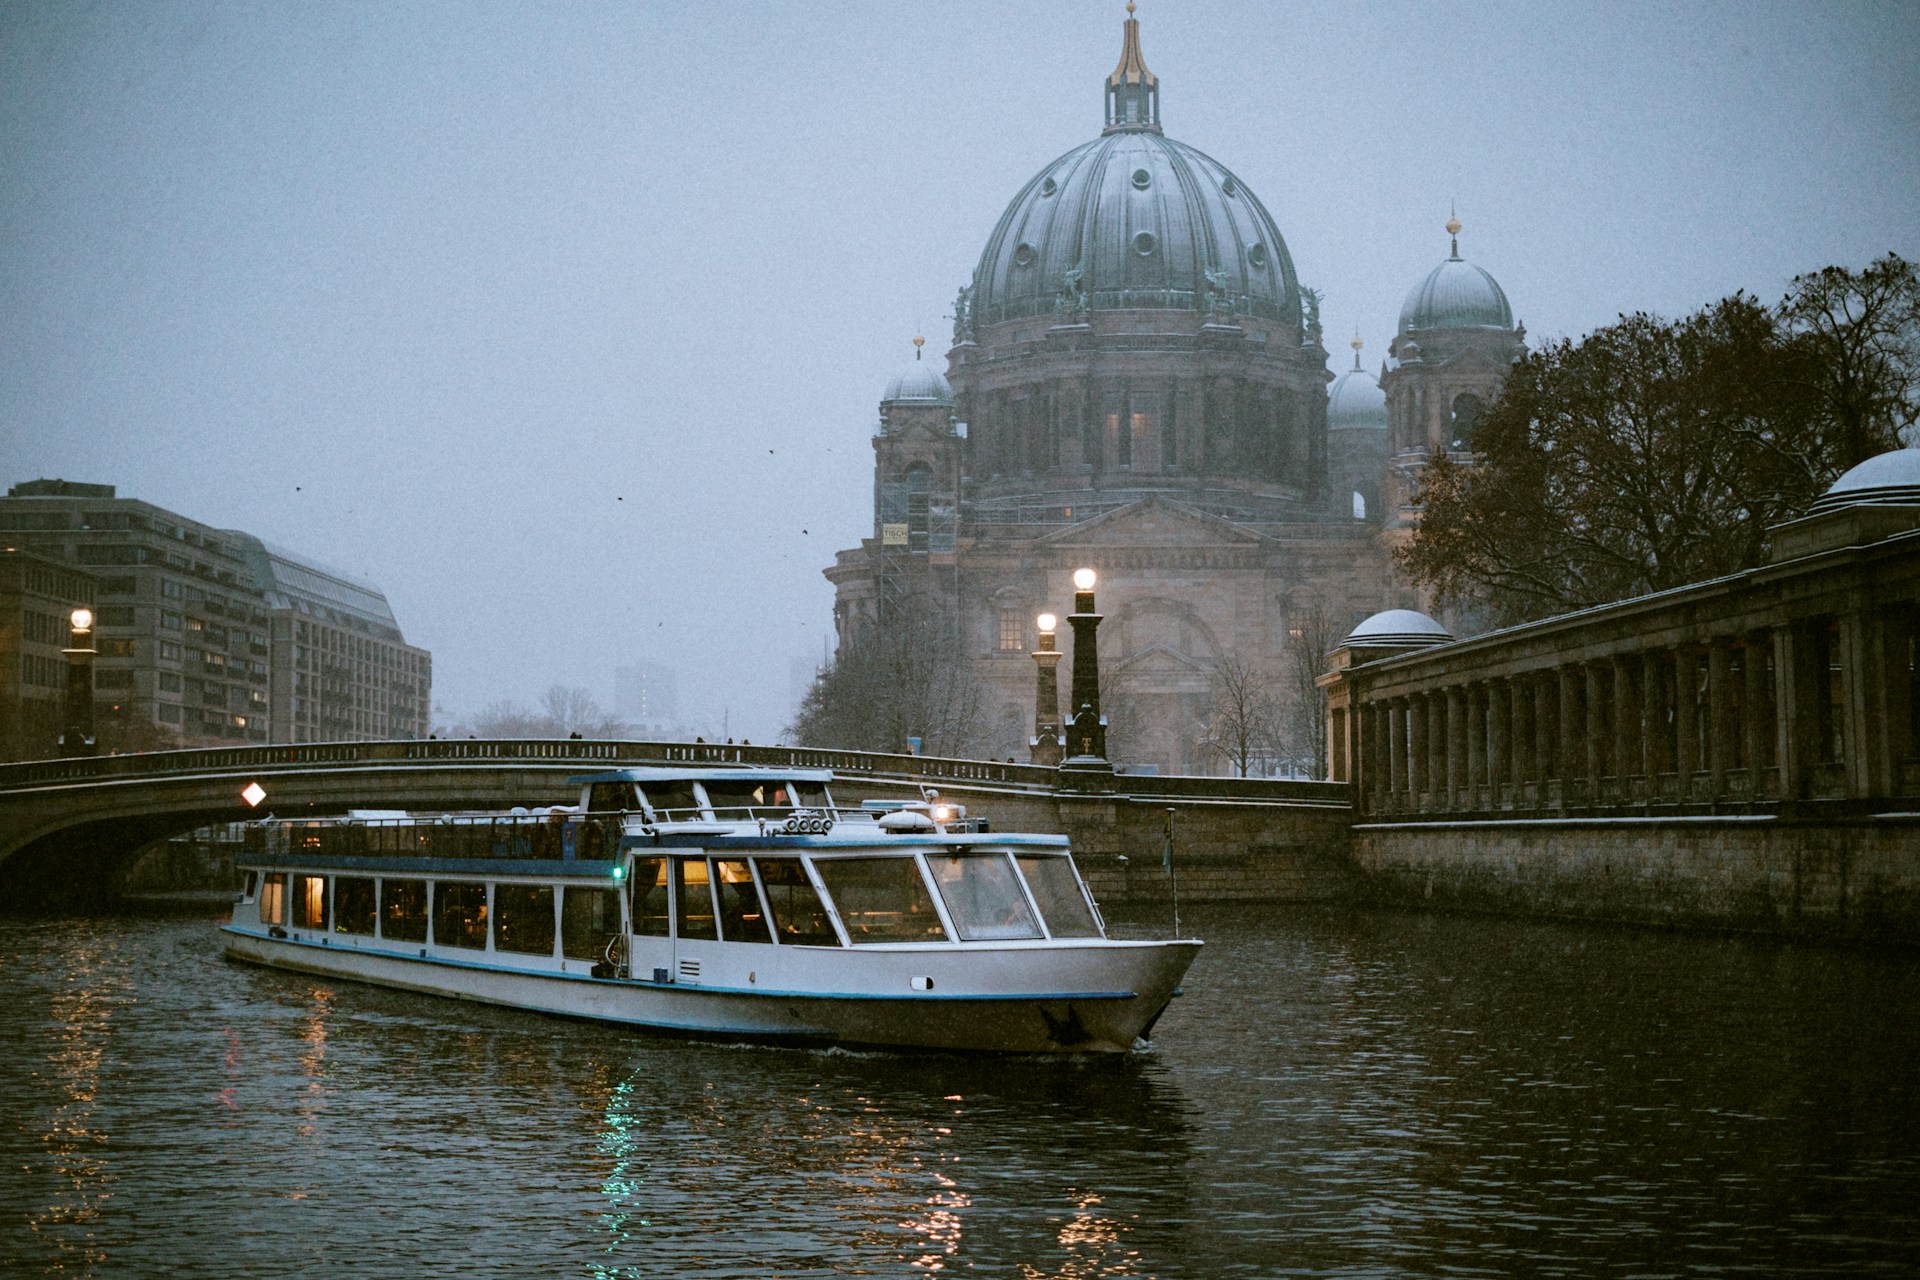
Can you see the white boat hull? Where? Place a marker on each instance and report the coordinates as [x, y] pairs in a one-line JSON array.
[[1054, 997]]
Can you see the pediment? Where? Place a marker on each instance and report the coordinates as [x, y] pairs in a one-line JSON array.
[[1160, 660], [1153, 522]]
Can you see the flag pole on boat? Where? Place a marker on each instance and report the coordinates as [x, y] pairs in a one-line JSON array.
[[1173, 879]]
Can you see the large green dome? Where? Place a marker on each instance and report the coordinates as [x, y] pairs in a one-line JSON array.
[[1134, 221]]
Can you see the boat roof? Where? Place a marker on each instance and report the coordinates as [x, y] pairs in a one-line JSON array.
[[704, 773]]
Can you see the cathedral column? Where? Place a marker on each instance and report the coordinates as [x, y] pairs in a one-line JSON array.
[[1397, 746], [1628, 761], [1598, 729], [1686, 717], [1762, 716]]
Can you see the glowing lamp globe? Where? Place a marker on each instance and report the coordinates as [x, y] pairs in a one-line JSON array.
[[1047, 621], [82, 619], [1083, 579]]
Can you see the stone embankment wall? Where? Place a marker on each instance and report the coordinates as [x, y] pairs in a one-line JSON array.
[[1223, 850], [1852, 880]]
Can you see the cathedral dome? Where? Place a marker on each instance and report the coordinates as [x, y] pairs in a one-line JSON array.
[[1886, 479], [1456, 295], [1355, 401], [1134, 221], [918, 383]]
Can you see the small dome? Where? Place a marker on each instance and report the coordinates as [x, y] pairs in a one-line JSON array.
[[1356, 402], [1887, 479], [1456, 295], [919, 383], [1398, 627]]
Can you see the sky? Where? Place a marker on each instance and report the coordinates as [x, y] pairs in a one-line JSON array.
[[566, 323]]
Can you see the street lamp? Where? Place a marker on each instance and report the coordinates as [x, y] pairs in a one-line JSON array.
[[1087, 738], [1045, 747], [77, 738]]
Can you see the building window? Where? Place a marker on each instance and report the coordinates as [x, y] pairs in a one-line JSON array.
[[1013, 634]]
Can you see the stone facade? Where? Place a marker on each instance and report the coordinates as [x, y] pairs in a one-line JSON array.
[[1138, 385]]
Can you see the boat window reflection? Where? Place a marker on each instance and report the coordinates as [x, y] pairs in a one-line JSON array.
[[353, 905], [741, 919], [749, 799], [693, 899], [589, 919], [460, 914], [983, 896], [523, 918], [673, 801], [648, 883], [403, 910], [1056, 891], [799, 917], [273, 900], [881, 899]]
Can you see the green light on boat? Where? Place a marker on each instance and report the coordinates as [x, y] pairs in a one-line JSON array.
[[619, 873]]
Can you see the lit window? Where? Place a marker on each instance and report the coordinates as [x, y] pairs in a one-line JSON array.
[[1012, 630]]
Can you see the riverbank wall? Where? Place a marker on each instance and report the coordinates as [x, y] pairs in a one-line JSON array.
[[1854, 879]]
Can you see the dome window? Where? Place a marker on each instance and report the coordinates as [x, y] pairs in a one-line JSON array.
[[1048, 187], [1143, 244], [1023, 255], [1142, 179], [1230, 188], [1257, 256]]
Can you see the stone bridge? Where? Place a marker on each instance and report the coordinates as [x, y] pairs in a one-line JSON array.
[[68, 827]]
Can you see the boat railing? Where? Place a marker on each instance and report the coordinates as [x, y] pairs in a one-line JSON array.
[[550, 836]]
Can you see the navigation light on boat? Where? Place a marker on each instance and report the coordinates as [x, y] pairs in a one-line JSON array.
[[619, 873]]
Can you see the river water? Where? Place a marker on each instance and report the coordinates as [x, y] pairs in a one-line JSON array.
[[1339, 1093]]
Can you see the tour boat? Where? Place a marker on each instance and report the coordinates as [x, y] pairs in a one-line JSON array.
[[716, 901]]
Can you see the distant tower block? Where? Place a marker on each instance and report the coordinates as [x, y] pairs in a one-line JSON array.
[[646, 693]]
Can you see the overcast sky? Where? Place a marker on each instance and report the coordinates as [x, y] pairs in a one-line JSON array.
[[566, 323]]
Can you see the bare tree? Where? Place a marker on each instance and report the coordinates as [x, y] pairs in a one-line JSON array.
[[1313, 629], [1244, 714], [564, 710], [907, 680]]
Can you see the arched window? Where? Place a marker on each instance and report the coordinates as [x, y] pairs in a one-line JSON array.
[[1467, 409], [1359, 505]]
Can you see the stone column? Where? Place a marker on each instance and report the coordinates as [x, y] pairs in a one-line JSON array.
[[1686, 721], [1476, 739], [1656, 724], [1599, 727], [1572, 749], [1437, 747], [1720, 728], [1458, 754], [1417, 743], [1798, 682], [1762, 715], [1546, 725], [1499, 749], [1396, 746], [1627, 760]]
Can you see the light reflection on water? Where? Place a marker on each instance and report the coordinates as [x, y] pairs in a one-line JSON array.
[[1338, 1094]]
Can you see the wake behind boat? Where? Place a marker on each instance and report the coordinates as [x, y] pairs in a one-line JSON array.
[[730, 902]]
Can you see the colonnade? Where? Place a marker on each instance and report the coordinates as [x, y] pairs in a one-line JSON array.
[[1822, 707]]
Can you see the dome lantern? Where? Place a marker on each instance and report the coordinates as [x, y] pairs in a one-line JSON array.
[[1132, 91]]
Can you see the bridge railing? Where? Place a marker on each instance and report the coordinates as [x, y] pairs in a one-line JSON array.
[[306, 756]]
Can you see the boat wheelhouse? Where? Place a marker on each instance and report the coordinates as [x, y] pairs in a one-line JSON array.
[[731, 902]]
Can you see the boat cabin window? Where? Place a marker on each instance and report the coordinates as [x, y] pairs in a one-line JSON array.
[[983, 896], [523, 919], [673, 801], [353, 905], [273, 900], [310, 902], [1056, 891], [732, 799], [881, 899], [799, 917], [693, 899], [741, 919], [253, 883], [589, 918], [460, 914], [648, 887], [613, 797], [403, 910]]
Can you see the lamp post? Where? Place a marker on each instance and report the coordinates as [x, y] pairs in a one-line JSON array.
[[1087, 738], [77, 738], [1045, 747]]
